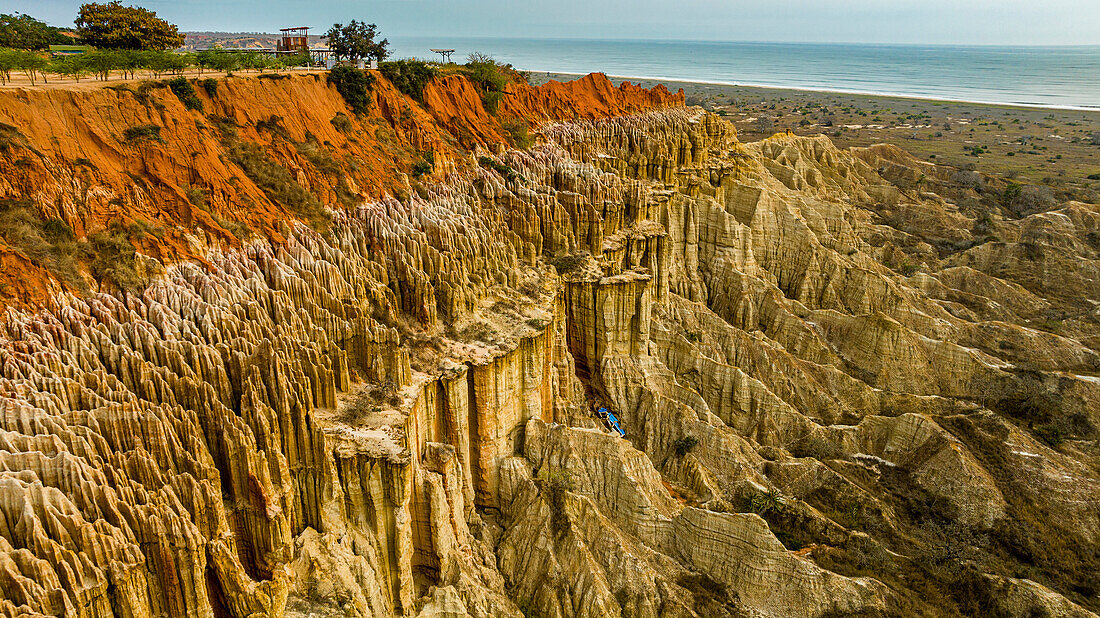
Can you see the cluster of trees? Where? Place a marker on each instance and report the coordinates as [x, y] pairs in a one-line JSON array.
[[101, 63], [25, 32], [355, 42], [128, 39], [102, 25]]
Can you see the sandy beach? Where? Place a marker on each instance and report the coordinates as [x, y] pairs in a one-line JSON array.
[[1030, 144]]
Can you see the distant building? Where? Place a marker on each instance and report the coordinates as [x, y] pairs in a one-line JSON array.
[[293, 39]]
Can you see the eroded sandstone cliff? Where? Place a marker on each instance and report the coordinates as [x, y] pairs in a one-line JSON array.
[[829, 409]]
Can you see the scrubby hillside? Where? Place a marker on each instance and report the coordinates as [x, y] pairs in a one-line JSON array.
[[850, 385]]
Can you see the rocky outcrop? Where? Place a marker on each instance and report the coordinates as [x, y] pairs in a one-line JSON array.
[[399, 413]]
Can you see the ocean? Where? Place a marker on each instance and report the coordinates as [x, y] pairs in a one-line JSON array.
[[1059, 77]]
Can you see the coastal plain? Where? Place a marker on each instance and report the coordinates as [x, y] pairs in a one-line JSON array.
[[1059, 148]]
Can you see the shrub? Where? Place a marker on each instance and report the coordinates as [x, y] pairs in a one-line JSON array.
[[517, 129], [421, 167], [490, 76], [709, 596], [814, 445], [1051, 433], [507, 172], [273, 124], [210, 85], [341, 122], [409, 76], [568, 263], [682, 446], [556, 484], [142, 133], [354, 85], [114, 260], [765, 502], [185, 93]]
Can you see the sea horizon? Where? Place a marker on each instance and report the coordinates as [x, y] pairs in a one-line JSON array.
[[1038, 76]]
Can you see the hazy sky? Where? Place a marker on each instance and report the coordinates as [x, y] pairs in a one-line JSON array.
[[984, 22]]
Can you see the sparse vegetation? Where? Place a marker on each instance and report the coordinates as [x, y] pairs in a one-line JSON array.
[[409, 76], [568, 263], [341, 122], [49, 244], [555, 484], [504, 170], [141, 133], [114, 260], [278, 184], [769, 501], [518, 131], [490, 77], [421, 168], [186, 93], [682, 446], [354, 85]]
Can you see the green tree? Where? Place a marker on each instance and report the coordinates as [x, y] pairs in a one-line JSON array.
[[33, 64], [218, 60], [25, 32], [113, 26], [100, 62], [356, 41], [257, 61], [300, 59], [69, 66], [128, 61], [161, 62], [9, 61]]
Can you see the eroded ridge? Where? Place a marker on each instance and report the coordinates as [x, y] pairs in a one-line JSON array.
[[400, 416]]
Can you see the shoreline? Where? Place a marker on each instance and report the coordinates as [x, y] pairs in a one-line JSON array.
[[1057, 148], [810, 89]]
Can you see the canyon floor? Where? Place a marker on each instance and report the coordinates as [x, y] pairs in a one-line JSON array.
[[265, 355]]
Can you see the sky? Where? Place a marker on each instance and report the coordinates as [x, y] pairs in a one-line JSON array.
[[965, 22]]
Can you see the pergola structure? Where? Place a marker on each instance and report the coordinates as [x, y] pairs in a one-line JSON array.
[[446, 53], [294, 39]]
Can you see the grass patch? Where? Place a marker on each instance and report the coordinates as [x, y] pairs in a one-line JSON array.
[[142, 133], [318, 156], [278, 184], [114, 259], [50, 244]]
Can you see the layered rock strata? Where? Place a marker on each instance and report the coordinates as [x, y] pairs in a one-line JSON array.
[[398, 416]]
